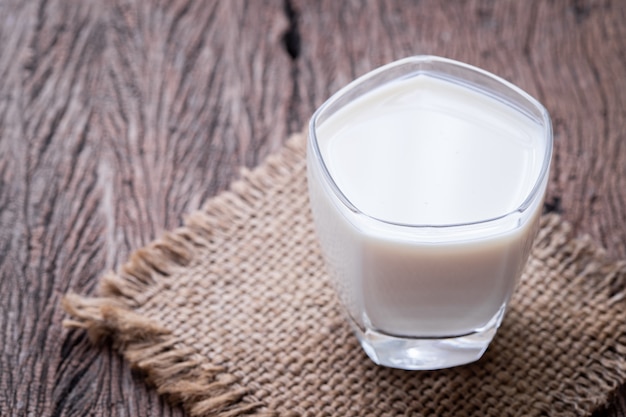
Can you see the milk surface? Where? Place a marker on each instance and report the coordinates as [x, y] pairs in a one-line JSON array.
[[428, 152]]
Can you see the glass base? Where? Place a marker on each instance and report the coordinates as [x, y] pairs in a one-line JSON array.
[[427, 353]]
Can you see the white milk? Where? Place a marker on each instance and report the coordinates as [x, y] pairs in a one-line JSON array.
[[428, 152]]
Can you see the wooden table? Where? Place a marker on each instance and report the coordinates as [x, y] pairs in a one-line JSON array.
[[117, 118]]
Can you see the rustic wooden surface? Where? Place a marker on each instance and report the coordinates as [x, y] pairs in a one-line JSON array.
[[119, 117]]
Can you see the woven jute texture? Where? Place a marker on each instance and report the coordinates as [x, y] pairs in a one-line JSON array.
[[233, 313]]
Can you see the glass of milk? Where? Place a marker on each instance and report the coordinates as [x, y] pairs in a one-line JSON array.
[[426, 181]]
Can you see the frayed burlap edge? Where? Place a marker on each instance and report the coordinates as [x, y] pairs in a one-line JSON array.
[[601, 283], [175, 369], [183, 375]]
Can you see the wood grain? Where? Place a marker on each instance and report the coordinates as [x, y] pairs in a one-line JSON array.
[[117, 118]]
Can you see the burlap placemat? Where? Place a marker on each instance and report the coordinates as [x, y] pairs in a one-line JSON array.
[[234, 314]]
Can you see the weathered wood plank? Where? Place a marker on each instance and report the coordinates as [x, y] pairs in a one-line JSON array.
[[118, 118]]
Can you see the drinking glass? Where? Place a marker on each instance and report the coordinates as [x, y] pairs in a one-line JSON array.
[[423, 294]]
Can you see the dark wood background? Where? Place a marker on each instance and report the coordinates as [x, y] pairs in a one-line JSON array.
[[119, 117]]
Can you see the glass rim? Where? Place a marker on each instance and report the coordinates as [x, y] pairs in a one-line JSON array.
[[537, 188]]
